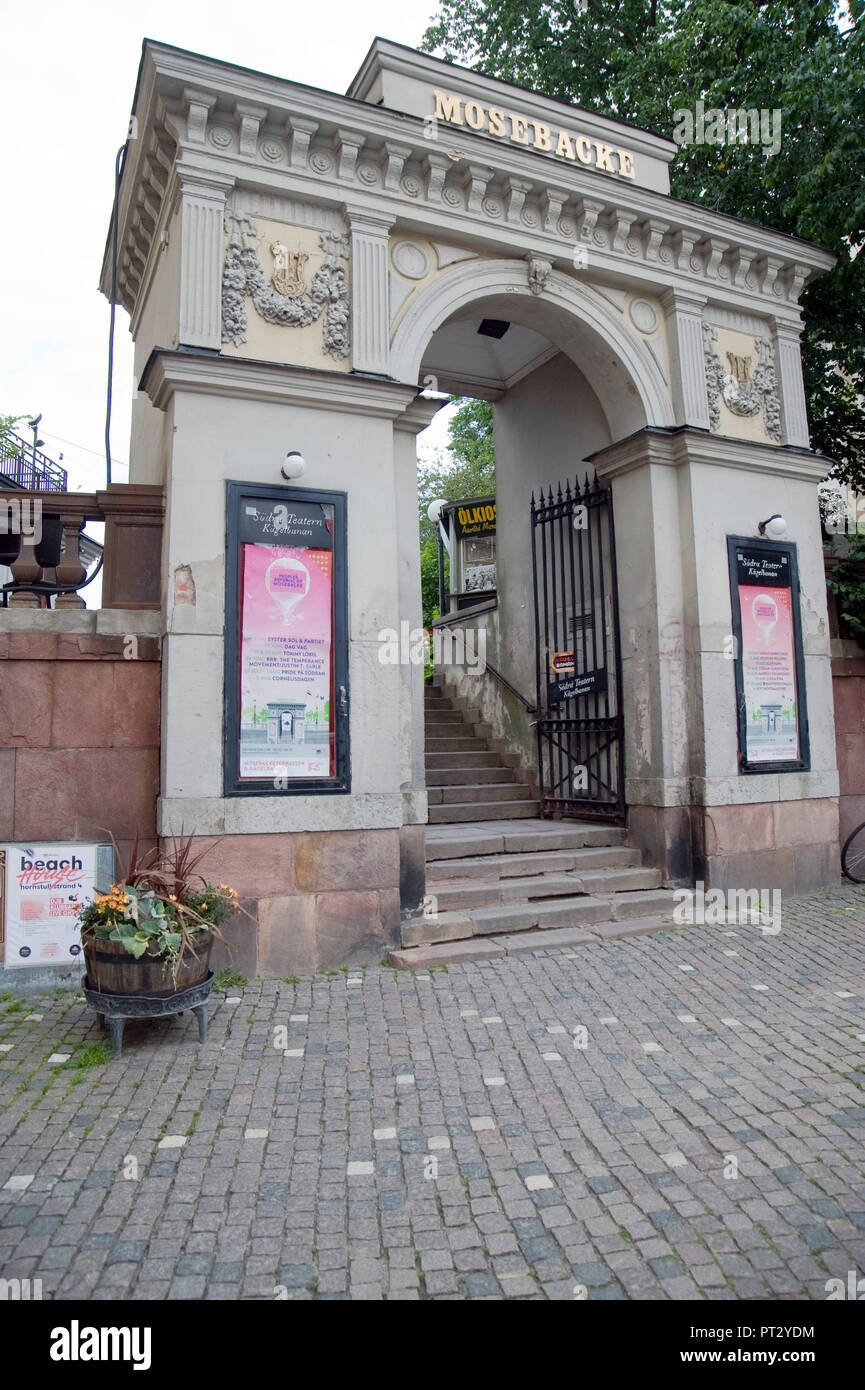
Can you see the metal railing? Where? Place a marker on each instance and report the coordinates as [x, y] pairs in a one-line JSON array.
[[22, 465], [488, 668]]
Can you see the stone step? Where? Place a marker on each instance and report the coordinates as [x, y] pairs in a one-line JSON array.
[[476, 791], [490, 892], [454, 743], [455, 953], [465, 758], [455, 925], [659, 902], [540, 862], [453, 930], [455, 813], [492, 838], [467, 776]]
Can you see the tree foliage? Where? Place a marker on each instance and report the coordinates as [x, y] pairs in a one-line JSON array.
[[642, 60]]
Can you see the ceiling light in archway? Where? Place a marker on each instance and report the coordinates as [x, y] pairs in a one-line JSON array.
[[493, 328]]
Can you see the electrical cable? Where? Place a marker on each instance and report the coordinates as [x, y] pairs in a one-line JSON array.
[[118, 169]]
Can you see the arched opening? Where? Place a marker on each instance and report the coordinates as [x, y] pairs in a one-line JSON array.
[[565, 378]]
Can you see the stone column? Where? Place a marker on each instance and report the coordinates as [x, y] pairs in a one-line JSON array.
[[684, 311], [370, 311], [788, 358], [412, 772], [678, 495], [651, 550], [202, 212]]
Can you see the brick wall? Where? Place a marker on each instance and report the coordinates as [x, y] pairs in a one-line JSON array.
[[79, 726], [848, 687]]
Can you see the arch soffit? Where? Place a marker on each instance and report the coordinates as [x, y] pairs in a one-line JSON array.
[[576, 307]]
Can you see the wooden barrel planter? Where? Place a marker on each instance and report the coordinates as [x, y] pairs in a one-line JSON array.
[[111, 969]]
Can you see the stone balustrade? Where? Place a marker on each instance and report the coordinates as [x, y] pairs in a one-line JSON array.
[[35, 524]]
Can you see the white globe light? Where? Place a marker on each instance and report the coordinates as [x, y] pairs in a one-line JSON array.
[[434, 510], [776, 527], [294, 465]]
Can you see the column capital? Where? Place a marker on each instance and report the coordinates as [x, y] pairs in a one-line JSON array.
[[367, 220], [683, 299], [684, 314]]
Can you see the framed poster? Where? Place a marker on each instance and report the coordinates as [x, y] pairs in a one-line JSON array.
[[286, 642], [770, 668]]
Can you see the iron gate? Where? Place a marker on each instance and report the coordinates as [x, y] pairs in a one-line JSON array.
[[578, 666]]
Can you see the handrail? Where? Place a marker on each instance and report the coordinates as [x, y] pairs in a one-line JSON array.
[[503, 680]]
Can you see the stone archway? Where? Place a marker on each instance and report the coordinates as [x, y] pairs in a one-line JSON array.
[[629, 386]]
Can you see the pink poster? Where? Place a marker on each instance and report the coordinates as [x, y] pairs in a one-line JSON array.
[[285, 663], [769, 674]]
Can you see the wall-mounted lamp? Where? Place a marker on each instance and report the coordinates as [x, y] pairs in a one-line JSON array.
[[774, 526], [294, 465], [434, 510]]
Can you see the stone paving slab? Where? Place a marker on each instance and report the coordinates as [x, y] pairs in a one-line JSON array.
[[675, 1115]]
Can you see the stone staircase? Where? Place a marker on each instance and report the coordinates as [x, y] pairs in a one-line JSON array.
[[466, 780], [499, 879]]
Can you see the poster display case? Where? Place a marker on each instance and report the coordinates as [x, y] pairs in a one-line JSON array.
[[770, 667], [286, 645]]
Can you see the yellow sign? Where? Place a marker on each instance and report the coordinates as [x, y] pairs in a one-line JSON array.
[[563, 661], [524, 130], [479, 520]]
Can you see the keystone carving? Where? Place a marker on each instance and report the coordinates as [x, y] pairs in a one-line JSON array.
[[539, 273]]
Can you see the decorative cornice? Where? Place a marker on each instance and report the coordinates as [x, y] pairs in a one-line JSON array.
[[319, 144], [684, 445], [211, 374]]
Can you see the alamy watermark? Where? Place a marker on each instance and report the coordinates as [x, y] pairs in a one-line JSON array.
[[21, 517], [729, 126], [418, 646], [842, 509], [755, 907]]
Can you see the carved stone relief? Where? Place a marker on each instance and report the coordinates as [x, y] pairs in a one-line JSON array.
[[285, 300], [747, 385]]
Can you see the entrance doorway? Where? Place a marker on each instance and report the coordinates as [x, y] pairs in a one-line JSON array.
[[577, 658]]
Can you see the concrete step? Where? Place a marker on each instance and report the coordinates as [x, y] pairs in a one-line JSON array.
[[476, 791], [489, 837], [469, 757], [455, 813], [541, 861], [467, 776]]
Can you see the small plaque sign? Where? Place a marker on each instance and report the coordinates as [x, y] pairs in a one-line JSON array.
[[573, 687]]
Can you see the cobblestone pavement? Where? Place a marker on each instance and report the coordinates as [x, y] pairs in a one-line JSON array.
[[445, 1135]]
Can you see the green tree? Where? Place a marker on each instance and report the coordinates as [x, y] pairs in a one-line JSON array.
[[642, 60], [467, 469], [9, 424]]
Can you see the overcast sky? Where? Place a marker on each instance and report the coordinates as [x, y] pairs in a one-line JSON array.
[[65, 96]]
